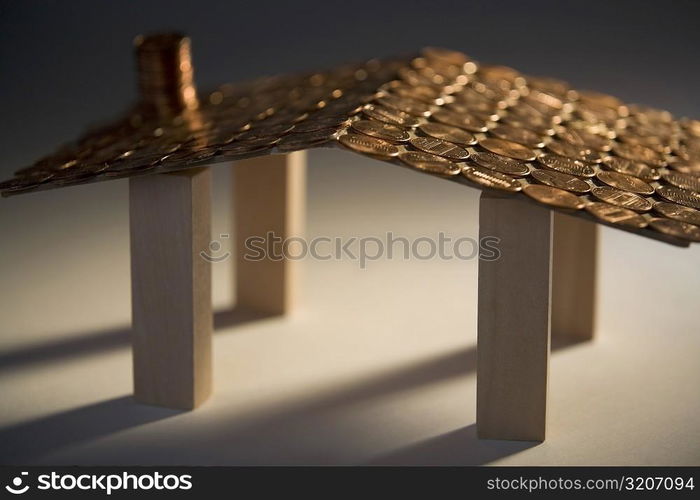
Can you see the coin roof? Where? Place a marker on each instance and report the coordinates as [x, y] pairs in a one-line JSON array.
[[627, 166]]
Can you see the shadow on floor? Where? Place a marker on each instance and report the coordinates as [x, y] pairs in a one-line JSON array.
[[458, 447], [311, 429], [93, 343], [25, 442]]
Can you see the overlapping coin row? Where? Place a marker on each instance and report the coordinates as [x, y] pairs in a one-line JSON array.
[[278, 114], [627, 166]]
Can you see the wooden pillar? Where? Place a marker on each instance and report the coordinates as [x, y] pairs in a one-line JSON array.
[[170, 221], [269, 199], [574, 250], [514, 319]]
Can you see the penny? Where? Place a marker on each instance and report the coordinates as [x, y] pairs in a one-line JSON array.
[[684, 181], [553, 196], [390, 115], [624, 182], [501, 164], [629, 167], [637, 152], [368, 145], [616, 215], [381, 130], [460, 120], [566, 165], [561, 180], [448, 133], [440, 148], [622, 199], [520, 135], [407, 105], [572, 151], [680, 196], [429, 163], [678, 212], [491, 179], [676, 228], [508, 148], [584, 139]]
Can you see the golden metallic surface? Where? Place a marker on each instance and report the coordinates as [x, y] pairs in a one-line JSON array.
[[440, 148], [629, 167], [368, 145], [622, 199], [381, 130], [508, 148], [567, 165], [616, 215], [520, 135], [502, 164], [676, 228], [491, 179], [493, 118], [678, 212], [429, 163], [680, 196], [552, 196], [448, 133], [684, 181], [561, 180], [624, 182]]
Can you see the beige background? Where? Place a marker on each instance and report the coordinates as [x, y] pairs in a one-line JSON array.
[[376, 367]]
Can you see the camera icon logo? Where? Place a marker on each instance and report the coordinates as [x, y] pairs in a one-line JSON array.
[[16, 487]]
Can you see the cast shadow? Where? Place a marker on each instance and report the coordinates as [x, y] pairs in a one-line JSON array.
[[458, 447], [26, 442], [102, 341]]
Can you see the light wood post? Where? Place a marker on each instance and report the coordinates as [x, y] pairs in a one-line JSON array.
[[574, 251], [170, 220], [513, 319], [269, 202]]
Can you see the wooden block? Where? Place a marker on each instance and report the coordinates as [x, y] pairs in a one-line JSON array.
[[269, 198], [574, 253], [513, 320], [170, 219]]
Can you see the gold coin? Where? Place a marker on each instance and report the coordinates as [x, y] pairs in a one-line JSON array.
[[560, 180], [448, 133], [676, 228], [501, 164], [616, 215], [410, 106], [637, 152], [685, 181], [678, 212], [622, 199], [491, 179], [429, 163], [624, 182], [566, 165], [553, 196], [508, 148], [381, 130], [572, 151], [585, 139], [679, 195], [440, 148], [629, 167], [464, 121], [368, 145], [520, 135], [390, 115]]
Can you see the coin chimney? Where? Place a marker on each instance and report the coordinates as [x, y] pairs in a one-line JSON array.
[[165, 74]]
